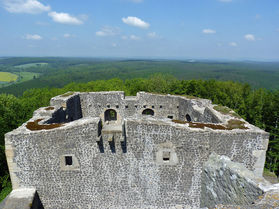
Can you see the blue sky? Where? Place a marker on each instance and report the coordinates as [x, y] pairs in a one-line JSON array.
[[178, 29]]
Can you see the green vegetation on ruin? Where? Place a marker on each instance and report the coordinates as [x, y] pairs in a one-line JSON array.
[[35, 126], [232, 124], [67, 94], [226, 111]]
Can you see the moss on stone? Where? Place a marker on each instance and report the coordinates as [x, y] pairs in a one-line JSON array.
[[67, 94], [226, 111], [35, 126], [49, 108], [232, 124], [236, 124]]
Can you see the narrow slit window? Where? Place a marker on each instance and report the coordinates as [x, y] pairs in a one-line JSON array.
[[166, 156], [68, 160]]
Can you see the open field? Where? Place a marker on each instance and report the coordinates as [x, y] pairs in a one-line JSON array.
[[25, 76], [20, 78], [7, 77], [29, 65]]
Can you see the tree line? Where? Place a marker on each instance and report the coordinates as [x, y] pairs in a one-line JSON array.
[[259, 107]]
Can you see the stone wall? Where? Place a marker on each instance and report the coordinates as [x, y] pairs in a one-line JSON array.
[[154, 163], [138, 178], [94, 104]]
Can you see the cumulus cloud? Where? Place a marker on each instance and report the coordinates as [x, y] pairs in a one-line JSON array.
[[64, 18], [108, 31], [208, 31], [135, 21], [131, 37], [250, 37], [33, 37], [152, 35], [233, 44], [134, 37], [25, 6], [124, 37], [68, 35]]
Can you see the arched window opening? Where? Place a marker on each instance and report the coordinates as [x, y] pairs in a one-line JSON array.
[[148, 112], [188, 118], [110, 115]]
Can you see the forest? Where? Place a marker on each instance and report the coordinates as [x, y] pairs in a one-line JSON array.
[[258, 106], [58, 72]]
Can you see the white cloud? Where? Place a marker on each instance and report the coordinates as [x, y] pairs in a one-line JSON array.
[[131, 37], [124, 37], [135, 21], [25, 6], [64, 18], [152, 35], [233, 44], [250, 37], [225, 1], [68, 35], [134, 37], [208, 31], [41, 23], [108, 31], [33, 37]]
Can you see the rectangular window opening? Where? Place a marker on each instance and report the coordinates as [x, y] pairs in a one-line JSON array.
[[68, 160], [166, 156], [170, 117]]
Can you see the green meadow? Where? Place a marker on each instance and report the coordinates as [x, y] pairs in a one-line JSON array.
[[7, 77]]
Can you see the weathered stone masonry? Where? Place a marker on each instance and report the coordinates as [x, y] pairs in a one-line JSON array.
[[98, 150]]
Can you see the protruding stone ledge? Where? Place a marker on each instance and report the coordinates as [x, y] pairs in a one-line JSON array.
[[22, 198], [229, 183]]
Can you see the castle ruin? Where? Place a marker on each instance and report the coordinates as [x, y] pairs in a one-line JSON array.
[[108, 150]]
